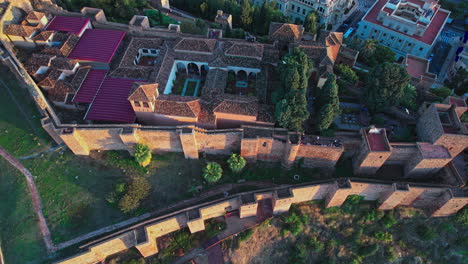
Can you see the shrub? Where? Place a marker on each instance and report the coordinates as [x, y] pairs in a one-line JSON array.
[[316, 245], [358, 235], [390, 254], [294, 223], [298, 254], [384, 236], [368, 250], [425, 232], [373, 215], [236, 163], [442, 92], [212, 172], [137, 190], [350, 205], [142, 154], [462, 216], [245, 235], [389, 220], [116, 195]]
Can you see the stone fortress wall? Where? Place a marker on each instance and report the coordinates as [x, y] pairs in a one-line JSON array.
[[254, 143], [439, 201]]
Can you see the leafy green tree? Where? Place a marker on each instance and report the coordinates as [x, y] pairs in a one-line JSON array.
[[327, 115], [137, 191], [347, 76], [310, 23], [409, 97], [246, 14], [236, 162], [368, 48], [142, 154], [459, 82], [386, 86], [292, 111], [212, 172], [442, 92], [329, 103], [204, 8], [381, 55]]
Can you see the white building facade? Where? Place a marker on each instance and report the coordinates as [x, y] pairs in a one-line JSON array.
[[330, 11], [405, 26]]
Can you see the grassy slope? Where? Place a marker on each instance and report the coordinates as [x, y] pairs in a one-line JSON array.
[[333, 236], [19, 233]]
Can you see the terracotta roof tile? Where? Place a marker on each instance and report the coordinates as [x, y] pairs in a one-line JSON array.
[[60, 91], [196, 45], [237, 108], [43, 35], [245, 50], [49, 79], [19, 30], [143, 92], [36, 61], [62, 63], [34, 15], [177, 108], [286, 32]]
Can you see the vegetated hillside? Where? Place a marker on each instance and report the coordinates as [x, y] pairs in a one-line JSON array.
[[355, 233]]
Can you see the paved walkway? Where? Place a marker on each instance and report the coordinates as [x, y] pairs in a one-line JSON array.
[[234, 225], [34, 196]]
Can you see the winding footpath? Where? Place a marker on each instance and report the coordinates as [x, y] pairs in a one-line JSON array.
[[34, 196]]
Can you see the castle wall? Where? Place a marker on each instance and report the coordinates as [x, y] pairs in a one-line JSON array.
[[402, 153], [319, 156], [428, 126], [219, 143], [447, 202], [455, 143]]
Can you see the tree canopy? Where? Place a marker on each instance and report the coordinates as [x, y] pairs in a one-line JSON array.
[[311, 23], [255, 19], [236, 162], [212, 172], [386, 86], [328, 103], [459, 82], [142, 154], [370, 52], [290, 96]]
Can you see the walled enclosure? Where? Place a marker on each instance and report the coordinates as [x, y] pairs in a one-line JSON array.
[[438, 200], [267, 144]]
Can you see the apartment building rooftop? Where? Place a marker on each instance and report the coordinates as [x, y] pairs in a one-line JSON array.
[[435, 23]]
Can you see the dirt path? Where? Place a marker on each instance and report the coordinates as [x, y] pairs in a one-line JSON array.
[[34, 196]]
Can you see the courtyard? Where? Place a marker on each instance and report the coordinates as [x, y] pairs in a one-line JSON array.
[[241, 83]]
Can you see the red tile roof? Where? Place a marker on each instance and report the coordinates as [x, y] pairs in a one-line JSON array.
[[377, 142], [111, 104], [97, 45], [416, 67], [74, 25], [429, 35], [90, 86]]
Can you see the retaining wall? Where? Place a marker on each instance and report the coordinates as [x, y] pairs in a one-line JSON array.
[[439, 201]]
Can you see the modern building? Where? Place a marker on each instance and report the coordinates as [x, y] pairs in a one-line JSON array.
[[330, 11], [405, 26]]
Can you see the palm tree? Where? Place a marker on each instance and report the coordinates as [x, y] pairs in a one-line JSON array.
[[212, 172]]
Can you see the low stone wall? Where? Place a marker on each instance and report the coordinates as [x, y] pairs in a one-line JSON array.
[[440, 201]]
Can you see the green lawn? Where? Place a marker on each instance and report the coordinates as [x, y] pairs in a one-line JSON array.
[[19, 232]]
